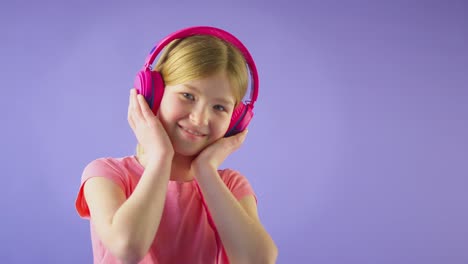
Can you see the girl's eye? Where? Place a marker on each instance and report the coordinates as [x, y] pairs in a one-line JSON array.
[[220, 108], [188, 96]]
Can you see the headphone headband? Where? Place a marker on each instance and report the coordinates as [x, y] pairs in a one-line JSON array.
[[211, 31]]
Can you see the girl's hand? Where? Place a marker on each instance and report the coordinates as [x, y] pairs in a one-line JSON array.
[[215, 154], [147, 128]]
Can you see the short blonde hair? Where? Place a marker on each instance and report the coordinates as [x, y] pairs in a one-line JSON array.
[[201, 56]]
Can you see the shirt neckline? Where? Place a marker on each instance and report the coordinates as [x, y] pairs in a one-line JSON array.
[[141, 169]]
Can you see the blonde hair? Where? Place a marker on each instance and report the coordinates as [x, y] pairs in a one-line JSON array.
[[201, 56]]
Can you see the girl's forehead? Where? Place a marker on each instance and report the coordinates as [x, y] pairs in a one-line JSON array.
[[217, 86]]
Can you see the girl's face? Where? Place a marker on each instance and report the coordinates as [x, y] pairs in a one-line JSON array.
[[197, 113]]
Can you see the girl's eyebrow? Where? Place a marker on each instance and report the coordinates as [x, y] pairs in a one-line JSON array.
[[191, 87], [223, 100]]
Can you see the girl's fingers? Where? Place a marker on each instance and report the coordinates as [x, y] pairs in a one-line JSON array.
[[131, 122], [130, 105], [131, 110], [136, 110], [236, 141], [146, 111]]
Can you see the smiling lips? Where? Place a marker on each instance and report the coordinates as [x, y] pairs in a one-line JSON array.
[[192, 133]]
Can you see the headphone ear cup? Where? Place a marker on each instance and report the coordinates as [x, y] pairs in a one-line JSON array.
[[240, 119], [151, 85], [158, 85]]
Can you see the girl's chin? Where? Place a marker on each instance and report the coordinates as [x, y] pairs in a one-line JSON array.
[[187, 151]]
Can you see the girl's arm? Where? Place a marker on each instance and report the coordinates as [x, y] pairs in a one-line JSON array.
[[127, 226], [238, 224]]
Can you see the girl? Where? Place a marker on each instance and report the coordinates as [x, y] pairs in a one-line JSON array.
[[170, 203]]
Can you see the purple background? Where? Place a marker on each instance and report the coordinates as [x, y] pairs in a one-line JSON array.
[[358, 149]]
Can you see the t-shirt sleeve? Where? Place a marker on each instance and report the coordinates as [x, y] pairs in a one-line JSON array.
[[102, 167], [237, 184]]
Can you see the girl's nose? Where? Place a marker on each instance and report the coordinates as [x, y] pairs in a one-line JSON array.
[[199, 116]]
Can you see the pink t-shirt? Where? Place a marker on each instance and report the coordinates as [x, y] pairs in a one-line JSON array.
[[184, 234]]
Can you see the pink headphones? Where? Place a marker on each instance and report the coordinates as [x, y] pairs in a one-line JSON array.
[[150, 83]]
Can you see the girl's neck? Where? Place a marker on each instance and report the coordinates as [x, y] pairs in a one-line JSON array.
[[180, 169]]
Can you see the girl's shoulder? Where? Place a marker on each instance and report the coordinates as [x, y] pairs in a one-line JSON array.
[[125, 171], [236, 182], [115, 164], [231, 175]]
